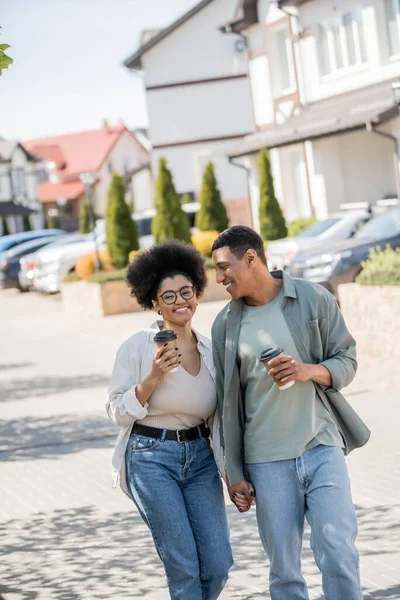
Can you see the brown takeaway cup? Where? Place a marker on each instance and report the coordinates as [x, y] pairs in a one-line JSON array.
[[268, 355], [169, 337]]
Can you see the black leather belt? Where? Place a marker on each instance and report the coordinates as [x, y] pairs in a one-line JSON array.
[[180, 435]]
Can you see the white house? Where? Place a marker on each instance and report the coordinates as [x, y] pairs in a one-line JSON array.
[[199, 101], [100, 152], [321, 76], [18, 188]]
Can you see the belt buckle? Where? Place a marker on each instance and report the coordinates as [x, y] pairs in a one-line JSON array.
[[178, 437]]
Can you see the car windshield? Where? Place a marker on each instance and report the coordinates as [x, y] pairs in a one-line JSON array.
[[317, 228], [384, 226], [28, 247]]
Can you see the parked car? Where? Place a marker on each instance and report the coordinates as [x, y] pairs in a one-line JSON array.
[[10, 260], [339, 226], [340, 262], [9, 241], [54, 263], [28, 262]]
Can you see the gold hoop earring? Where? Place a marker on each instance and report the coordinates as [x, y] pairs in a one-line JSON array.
[[160, 313]]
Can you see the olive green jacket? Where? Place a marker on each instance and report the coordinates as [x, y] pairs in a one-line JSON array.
[[321, 337]]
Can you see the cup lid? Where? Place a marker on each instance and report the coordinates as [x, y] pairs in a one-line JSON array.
[[270, 353], [166, 335]]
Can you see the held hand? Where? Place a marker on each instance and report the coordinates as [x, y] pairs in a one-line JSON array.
[[285, 368], [163, 362], [242, 495]]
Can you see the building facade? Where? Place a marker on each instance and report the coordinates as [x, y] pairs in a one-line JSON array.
[[322, 77], [19, 200], [199, 101], [100, 152]]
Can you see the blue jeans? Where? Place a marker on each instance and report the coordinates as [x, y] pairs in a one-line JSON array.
[[316, 486], [178, 492]]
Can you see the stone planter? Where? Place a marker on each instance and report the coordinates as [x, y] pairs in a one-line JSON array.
[[113, 298], [372, 314], [98, 299]]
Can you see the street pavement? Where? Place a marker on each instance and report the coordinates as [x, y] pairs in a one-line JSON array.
[[66, 534]]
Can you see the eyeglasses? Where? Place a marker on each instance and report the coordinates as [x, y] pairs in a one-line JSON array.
[[170, 297]]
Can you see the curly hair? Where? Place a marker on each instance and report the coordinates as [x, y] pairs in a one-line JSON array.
[[150, 267]]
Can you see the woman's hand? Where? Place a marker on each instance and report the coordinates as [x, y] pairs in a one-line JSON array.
[[163, 362]]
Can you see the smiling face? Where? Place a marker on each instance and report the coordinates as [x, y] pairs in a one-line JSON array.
[[176, 310], [236, 274]]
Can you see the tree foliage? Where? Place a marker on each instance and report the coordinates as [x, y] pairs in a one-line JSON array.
[[170, 221], [5, 60], [121, 230], [272, 222], [212, 213], [84, 217]]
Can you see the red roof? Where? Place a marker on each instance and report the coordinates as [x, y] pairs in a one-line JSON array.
[[80, 152], [49, 192]]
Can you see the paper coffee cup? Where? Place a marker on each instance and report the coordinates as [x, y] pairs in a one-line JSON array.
[[268, 355], [169, 337]]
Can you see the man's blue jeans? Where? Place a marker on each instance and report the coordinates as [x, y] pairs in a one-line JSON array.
[[178, 492], [316, 486]]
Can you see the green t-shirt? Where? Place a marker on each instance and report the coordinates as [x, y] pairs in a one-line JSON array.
[[279, 424]]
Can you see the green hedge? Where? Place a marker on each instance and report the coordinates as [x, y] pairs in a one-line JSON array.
[[381, 268], [103, 277], [297, 226]]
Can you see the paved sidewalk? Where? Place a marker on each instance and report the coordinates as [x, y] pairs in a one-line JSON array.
[[67, 535]]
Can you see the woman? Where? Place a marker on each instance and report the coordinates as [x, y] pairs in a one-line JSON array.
[[165, 404]]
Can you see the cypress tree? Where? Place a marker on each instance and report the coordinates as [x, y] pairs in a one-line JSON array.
[[121, 230], [185, 199], [170, 221], [53, 221], [212, 214], [27, 224], [84, 216], [6, 231], [272, 222]]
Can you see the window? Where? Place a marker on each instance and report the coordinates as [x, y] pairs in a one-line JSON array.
[[18, 181], [342, 43], [392, 17], [282, 60]]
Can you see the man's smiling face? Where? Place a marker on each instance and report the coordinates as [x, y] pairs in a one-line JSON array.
[[232, 272]]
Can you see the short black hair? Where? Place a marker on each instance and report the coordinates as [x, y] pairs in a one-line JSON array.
[[239, 239], [150, 267]]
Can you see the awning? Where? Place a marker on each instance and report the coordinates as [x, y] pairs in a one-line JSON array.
[[347, 112], [11, 208], [50, 192]]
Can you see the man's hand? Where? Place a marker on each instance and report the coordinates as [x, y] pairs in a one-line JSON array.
[[242, 495], [285, 368]]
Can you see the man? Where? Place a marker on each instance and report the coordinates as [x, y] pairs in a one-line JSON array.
[[290, 444]]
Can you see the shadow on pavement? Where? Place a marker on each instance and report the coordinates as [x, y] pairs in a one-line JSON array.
[[19, 389], [33, 438], [6, 367], [83, 553]]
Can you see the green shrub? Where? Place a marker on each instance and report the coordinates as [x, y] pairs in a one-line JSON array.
[[272, 222], [121, 229], [6, 231], [71, 277], [382, 267], [27, 224], [212, 213], [186, 199], [170, 221], [299, 225], [84, 216], [102, 277], [53, 221]]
